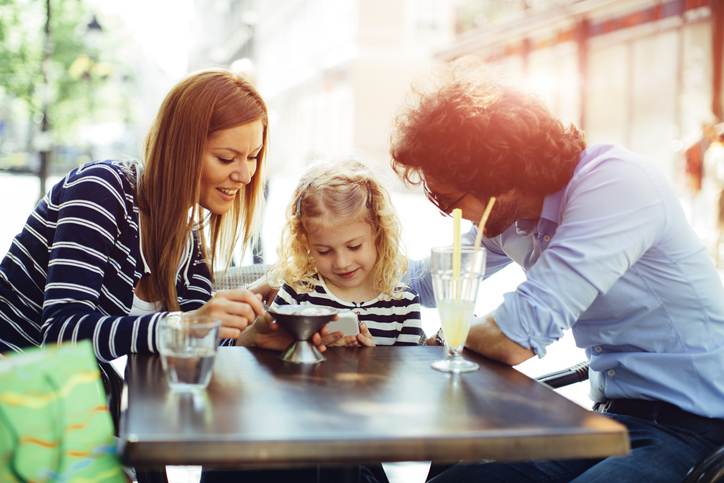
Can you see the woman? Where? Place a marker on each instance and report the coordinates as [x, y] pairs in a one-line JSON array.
[[116, 245]]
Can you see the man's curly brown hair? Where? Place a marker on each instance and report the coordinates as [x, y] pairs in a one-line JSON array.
[[484, 138]]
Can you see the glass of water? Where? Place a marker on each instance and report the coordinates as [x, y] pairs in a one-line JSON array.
[[188, 346], [456, 290]]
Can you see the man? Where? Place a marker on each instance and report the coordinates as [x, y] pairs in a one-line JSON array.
[[608, 253]]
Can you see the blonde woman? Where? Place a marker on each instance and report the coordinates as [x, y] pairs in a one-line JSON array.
[[341, 248]]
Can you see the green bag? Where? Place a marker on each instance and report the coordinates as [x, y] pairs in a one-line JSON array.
[[54, 421]]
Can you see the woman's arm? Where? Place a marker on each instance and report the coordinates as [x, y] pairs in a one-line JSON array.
[[89, 211]]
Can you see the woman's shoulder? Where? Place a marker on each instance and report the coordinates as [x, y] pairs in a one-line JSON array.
[[117, 172], [108, 184]]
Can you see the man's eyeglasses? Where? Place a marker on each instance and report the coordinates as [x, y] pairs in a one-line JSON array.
[[445, 203]]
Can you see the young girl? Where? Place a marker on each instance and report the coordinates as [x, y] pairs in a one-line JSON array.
[[341, 248]]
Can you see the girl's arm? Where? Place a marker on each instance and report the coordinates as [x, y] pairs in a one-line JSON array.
[[411, 333]]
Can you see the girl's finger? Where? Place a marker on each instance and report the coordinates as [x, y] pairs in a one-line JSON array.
[[349, 340], [329, 339], [365, 338], [366, 341], [317, 341]]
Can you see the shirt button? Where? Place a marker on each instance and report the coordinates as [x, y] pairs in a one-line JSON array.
[[598, 349], [546, 238], [611, 372]]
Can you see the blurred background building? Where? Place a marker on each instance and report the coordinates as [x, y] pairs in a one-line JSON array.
[[82, 79]]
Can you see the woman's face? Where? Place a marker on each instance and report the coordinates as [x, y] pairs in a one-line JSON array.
[[229, 163]]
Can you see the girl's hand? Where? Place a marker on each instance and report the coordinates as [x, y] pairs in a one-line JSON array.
[[236, 309], [364, 338], [267, 334], [344, 341]]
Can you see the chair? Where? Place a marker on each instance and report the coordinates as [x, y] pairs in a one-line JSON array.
[[708, 470], [235, 277]]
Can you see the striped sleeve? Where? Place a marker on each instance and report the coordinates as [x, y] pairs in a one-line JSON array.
[[285, 296], [89, 208], [394, 320], [411, 332]]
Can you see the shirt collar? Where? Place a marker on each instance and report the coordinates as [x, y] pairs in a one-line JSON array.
[[552, 207], [550, 212]]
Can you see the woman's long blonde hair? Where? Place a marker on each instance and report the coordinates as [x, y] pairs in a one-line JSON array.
[[202, 104], [345, 190]]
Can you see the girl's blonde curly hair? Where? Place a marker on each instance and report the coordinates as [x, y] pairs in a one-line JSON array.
[[342, 190]]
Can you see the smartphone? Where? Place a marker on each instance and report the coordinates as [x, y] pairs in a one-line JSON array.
[[347, 323]]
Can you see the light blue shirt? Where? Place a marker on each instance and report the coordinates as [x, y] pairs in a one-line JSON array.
[[613, 258]]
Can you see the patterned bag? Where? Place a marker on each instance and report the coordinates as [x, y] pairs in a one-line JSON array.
[[54, 422]]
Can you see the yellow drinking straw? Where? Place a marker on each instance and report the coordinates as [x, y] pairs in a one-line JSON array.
[[483, 221], [457, 215]]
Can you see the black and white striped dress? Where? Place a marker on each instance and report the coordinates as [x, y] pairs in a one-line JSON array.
[[391, 320], [70, 273]]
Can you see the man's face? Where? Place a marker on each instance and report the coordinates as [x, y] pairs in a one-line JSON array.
[[505, 211]]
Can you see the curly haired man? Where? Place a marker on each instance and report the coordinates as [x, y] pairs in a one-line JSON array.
[[608, 253]]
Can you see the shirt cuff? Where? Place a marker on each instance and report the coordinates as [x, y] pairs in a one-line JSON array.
[[514, 329]]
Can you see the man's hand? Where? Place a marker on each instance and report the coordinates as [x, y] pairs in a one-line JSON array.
[[487, 339]]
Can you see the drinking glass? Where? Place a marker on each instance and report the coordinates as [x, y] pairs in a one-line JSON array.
[[188, 345], [455, 295]]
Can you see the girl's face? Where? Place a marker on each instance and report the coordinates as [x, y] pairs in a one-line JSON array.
[[344, 253], [229, 163]]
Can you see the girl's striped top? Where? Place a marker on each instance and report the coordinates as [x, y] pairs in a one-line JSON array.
[[391, 320], [70, 273]]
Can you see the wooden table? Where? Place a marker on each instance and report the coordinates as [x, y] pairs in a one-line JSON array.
[[361, 405]]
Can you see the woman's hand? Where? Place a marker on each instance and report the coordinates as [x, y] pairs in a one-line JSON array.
[[236, 309], [263, 288]]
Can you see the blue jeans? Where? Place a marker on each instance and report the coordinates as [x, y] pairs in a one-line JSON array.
[[658, 454]]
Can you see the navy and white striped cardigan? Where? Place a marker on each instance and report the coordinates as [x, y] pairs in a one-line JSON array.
[[69, 275]]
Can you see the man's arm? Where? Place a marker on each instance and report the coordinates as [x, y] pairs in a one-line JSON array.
[[487, 339]]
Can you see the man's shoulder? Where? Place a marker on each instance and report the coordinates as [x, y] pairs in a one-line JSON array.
[[603, 161]]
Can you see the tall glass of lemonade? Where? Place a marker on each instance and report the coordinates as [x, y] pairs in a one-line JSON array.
[[456, 287]]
